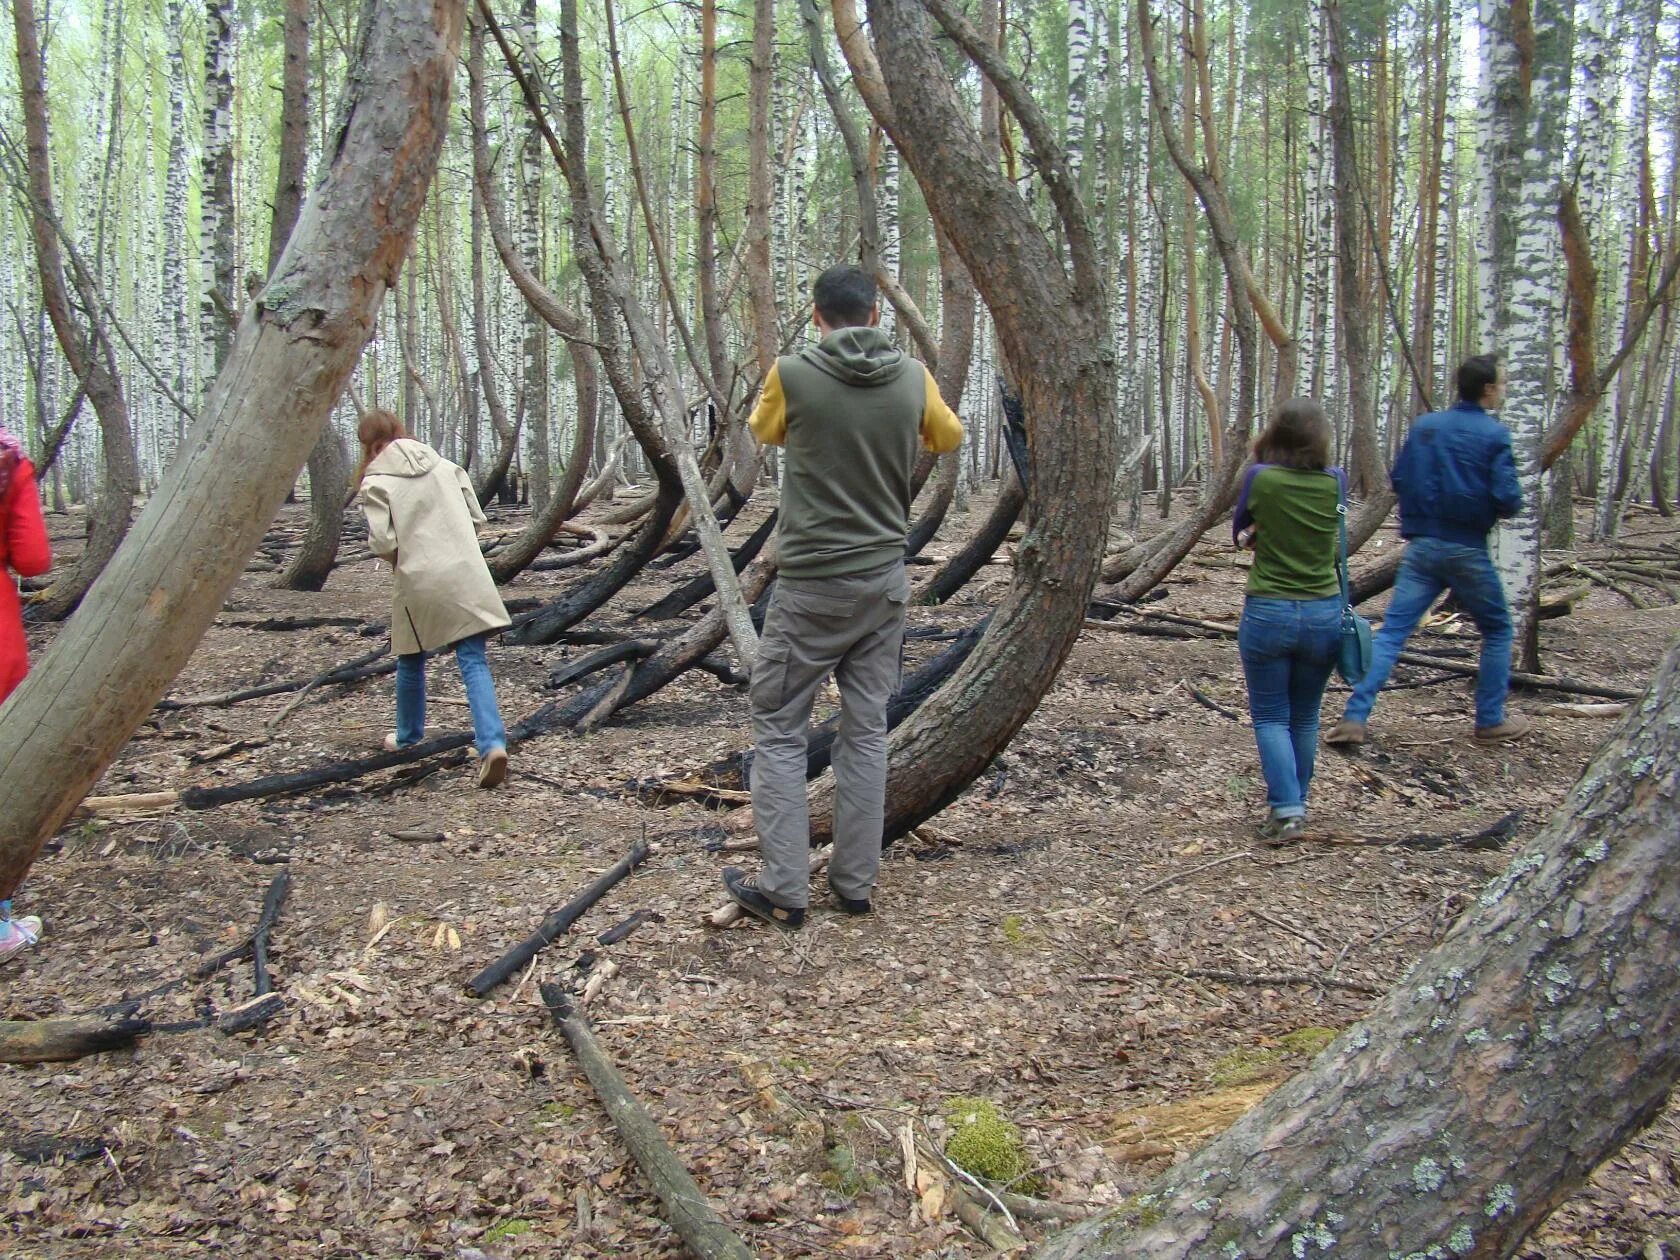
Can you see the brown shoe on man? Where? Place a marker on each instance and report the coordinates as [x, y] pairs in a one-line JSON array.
[[1513, 728], [1346, 734]]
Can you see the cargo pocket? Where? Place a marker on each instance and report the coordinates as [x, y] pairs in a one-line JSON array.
[[809, 604], [768, 687]]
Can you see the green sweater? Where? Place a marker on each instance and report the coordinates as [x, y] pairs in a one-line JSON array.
[[1297, 537]]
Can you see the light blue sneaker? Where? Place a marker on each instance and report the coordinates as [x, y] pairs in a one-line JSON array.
[[17, 935]]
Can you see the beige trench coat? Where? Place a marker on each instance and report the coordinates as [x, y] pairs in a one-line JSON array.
[[421, 513]]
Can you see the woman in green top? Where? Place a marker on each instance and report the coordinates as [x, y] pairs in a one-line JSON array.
[[1287, 513]]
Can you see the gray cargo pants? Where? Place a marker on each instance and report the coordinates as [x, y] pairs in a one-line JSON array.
[[853, 626]]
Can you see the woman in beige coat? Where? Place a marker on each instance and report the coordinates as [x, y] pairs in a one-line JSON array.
[[421, 513]]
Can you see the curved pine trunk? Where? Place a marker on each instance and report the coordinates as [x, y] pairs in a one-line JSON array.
[[1053, 330]]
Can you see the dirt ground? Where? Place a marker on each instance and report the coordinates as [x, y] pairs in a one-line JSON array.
[[1037, 948]]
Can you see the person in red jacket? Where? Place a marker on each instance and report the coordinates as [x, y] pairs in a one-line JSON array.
[[25, 551]]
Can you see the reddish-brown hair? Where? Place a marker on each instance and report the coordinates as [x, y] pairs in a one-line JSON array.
[[1297, 437], [378, 429]]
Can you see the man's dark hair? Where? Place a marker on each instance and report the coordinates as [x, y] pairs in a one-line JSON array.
[[844, 296], [1475, 374]]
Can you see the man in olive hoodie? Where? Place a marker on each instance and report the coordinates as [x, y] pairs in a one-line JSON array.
[[850, 413]]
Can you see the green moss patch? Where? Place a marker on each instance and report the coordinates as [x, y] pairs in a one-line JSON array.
[[987, 1144]]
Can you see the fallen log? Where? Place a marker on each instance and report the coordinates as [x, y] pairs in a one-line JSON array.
[[557, 923], [545, 624], [72, 1037], [685, 1204], [704, 586], [1519, 678], [272, 901], [627, 650], [339, 674]]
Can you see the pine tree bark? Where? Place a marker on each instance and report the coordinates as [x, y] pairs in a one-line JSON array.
[[1365, 466], [297, 345], [1507, 1064], [1053, 329], [329, 464]]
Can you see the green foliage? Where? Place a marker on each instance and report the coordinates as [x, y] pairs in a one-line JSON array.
[[511, 1228]]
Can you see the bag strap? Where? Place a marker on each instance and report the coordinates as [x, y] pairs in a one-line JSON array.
[[1342, 549]]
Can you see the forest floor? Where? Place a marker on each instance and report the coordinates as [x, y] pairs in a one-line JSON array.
[[1040, 947]]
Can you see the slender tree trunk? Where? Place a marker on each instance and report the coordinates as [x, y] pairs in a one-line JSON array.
[[1365, 466], [1530, 296], [296, 347], [218, 244], [742, 455], [329, 466], [88, 353]]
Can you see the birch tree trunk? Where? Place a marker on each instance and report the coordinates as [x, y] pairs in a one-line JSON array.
[[1527, 321], [296, 346], [533, 397], [178, 351], [218, 245], [743, 452]]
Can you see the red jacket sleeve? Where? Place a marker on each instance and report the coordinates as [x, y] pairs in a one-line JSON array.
[[27, 550]]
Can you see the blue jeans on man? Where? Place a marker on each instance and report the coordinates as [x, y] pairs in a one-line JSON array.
[[1288, 648], [488, 733], [1430, 566]]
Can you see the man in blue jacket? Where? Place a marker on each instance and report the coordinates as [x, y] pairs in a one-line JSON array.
[[1455, 477]]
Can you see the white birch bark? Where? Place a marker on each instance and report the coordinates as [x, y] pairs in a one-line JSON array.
[[1529, 322], [1082, 39], [1317, 332], [886, 201], [219, 302]]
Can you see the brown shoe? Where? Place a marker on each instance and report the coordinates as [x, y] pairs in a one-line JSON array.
[[1514, 727], [493, 769], [1346, 734]]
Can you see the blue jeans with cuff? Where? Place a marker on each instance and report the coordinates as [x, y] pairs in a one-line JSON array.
[[1288, 648], [481, 697], [1430, 566]]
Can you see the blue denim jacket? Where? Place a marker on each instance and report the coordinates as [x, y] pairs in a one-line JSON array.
[[1456, 476]]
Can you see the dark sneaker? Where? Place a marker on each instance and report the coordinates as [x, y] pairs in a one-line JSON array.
[[744, 890], [1346, 734], [1276, 831], [1514, 727], [493, 769], [851, 905]]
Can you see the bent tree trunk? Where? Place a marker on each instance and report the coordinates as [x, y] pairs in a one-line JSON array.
[[329, 482], [296, 346], [1503, 1068], [1052, 327]]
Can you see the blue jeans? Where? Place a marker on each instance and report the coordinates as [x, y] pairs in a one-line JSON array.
[[1288, 648], [481, 696], [1430, 566]]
